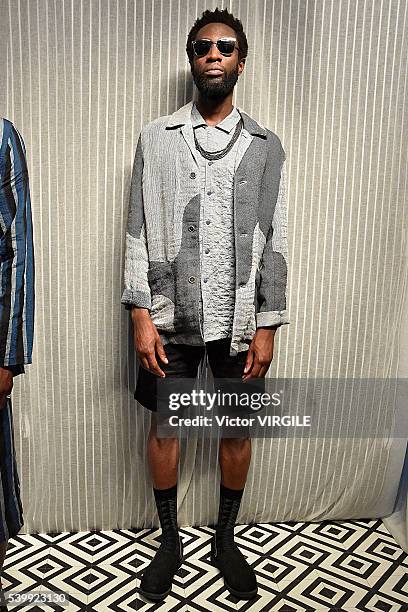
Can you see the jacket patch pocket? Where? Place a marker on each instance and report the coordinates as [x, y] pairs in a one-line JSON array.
[[160, 279]]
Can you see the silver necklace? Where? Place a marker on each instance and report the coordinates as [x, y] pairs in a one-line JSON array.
[[222, 152]]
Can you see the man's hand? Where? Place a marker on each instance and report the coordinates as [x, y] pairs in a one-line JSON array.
[[147, 341], [260, 354], [6, 385]]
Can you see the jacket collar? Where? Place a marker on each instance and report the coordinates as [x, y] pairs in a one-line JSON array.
[[183, 115]]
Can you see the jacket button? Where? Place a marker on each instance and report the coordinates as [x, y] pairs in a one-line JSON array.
[[191, 228], [192, 174], [191, 279]]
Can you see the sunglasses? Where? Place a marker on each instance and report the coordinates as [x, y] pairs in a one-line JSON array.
[[225, 46]]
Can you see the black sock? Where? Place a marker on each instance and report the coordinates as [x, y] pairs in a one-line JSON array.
[[166, 502], [230, 500]]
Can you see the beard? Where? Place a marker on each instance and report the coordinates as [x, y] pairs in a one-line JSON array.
[[215, 88]]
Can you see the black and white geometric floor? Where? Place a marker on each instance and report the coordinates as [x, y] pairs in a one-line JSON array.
[[341, 565]]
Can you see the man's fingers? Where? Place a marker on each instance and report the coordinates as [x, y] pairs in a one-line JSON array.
[[249, 361], [263, 371], [161, 352], [154, 366], [254, 372], [144, 363], [256, 369], [149, 362]]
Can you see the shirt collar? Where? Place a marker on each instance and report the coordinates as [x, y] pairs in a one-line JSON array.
[[226, 125], [182, 115]]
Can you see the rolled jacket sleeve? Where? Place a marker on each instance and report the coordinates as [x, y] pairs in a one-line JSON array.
[[136, 287], [273, 270], [16, 254]]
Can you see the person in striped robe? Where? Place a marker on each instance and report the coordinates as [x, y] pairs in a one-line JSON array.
[[16, 315]]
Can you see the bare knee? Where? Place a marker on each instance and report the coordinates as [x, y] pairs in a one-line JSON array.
[[161, 442]]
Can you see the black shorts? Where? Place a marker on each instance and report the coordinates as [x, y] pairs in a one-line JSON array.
[[184, 361]]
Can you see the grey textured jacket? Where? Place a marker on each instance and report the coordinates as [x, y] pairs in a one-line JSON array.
[[162, 258]]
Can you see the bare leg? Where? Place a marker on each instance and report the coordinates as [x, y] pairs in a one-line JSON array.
[[234, 459], [239, 576], [163, 457]]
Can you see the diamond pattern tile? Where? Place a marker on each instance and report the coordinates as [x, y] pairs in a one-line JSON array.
[[332, 566]]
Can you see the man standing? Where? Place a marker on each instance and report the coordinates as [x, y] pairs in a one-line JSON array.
[[16, 313], [205, 273]]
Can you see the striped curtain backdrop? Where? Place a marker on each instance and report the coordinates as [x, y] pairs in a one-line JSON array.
[[79, 79]]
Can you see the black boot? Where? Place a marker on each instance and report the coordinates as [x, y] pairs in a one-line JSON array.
[[239, 577], [157, 578]]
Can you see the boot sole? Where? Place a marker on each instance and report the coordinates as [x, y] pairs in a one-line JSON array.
[[154, 596], [239, 594], [159, 596]]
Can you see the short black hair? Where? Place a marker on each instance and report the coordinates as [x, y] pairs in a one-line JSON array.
[[218, 16]]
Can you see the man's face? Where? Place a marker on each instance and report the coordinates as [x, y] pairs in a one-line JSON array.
[[216, 85]]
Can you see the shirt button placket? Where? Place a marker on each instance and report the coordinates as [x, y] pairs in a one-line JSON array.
[[207, 191]]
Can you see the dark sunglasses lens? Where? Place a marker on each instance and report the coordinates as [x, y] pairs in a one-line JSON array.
[[226, 47], [202, 47]]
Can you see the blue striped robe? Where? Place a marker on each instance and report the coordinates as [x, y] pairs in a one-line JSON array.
[[16, 253]]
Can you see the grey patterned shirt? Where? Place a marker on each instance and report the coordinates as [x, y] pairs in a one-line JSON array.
[[217, 253]]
